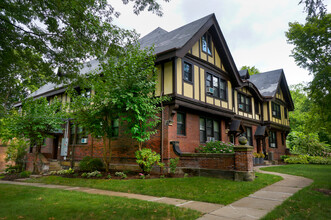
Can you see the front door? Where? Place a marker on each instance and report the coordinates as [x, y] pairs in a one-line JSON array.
[[55, 147]]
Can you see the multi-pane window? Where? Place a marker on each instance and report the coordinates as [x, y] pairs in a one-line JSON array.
[[81, 137], [181, 124], [244, 103], [209, 130], [188, 75], [272, 139], [249, 136], [206, 43], [275, 110], [215, 86], [115, 127]]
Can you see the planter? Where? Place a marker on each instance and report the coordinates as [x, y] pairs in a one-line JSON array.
[[255, 160], [261, 160]]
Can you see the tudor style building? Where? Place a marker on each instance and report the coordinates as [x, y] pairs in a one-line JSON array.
[[211, 100]]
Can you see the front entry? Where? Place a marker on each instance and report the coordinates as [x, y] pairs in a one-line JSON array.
[[55, 147]]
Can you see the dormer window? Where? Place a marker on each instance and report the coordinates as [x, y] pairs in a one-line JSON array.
[[206, 43]]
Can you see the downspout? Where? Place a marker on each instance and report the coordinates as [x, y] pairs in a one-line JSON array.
[[162, 136], [73, 148]]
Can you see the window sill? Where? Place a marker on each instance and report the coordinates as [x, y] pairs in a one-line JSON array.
[[187, 81]]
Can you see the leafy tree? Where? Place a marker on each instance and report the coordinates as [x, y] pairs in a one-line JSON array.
[[36, 120], [251, 70], [38, 37], [16, 152], [312, 51], [124, 89]]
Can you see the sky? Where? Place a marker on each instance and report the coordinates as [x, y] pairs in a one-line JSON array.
[[253, 29]]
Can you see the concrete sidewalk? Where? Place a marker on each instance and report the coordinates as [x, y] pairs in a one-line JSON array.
[[254, 206]]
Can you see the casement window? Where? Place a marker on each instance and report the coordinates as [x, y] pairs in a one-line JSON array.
[[257, 109], [115, 127], [215, 86], [188, 73], [206, 43], [244, 103], [248, 135], [272, 139], [181, 121], [209, 130], [81, 137], [275, 110], [285, 113]]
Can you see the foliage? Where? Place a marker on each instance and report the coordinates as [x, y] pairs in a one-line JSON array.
[[219, 147], [173, 164], [142, 176], [301, 159], [251, 70], [25, 174], [63, 172], [283, 157], [39, 36], [10, 169], [319, 160], [16, 153], [146, 158], [90, 164], [93, 174], [312, 51], [205, 189], [121, 174], [309, 144]]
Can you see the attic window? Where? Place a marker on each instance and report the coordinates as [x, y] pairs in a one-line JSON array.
[[206, 43]]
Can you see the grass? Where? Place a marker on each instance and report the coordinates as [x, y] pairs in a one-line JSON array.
[[23, 202], [204, 189], [307, 203]]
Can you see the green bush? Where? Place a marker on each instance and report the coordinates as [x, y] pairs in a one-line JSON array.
[[173, 165], [283, 157], [219, 147], [12, 169], [121, 174], [25, 174], [90, 164], [301, 159], [146, 158], [16, 152], [319, 160]]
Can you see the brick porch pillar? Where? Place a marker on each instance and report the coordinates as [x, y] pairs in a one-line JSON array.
[[243, 161]]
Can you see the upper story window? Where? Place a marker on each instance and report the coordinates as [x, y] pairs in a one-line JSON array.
[[275, 110], [272, 139], [188, 73], [81, 136], [244, 103], [206, 43], [285, 113], [181, 127], [209, 130], [216, 86]]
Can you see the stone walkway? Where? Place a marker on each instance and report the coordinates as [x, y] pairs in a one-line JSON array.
[[254, 206]]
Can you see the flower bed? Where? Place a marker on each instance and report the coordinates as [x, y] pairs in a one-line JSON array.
[[218, 147]]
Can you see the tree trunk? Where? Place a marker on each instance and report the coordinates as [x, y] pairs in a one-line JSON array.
[[35, 166], [105, 153]]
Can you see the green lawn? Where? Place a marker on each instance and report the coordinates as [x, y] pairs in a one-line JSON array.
[[23, 202], [307, 203], [204, 189]]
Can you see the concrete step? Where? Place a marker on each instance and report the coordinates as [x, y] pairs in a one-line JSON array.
[[54, 166]]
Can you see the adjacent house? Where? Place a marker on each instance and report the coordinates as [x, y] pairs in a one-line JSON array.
[[210, 100]]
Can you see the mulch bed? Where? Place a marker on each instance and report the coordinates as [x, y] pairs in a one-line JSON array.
[[324, 191], [11, 177]]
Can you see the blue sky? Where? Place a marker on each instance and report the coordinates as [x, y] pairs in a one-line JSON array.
[[253, 29]]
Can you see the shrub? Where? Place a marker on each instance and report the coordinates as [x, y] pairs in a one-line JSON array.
[[92, 174], [121, 174], [16, 153], [283, 157], [301, 159], [90, 164], [146, 158], [141, 176], [219, 147], [65, 172], [173, 165], [25, 174], [12, 169], [319, 160]]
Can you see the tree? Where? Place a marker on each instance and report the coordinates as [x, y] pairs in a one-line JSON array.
[[123, 89], [251, 70], [311, 51], [36, 120], [38, 37]]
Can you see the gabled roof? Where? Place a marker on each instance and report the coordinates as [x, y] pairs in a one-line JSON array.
[[178, 42], [268, 83], [164, 41], [244, 74]]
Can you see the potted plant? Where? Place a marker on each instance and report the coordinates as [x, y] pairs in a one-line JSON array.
[[261, 158], [255, 158]]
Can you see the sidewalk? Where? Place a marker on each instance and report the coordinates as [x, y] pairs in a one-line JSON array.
[[254, 206]]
